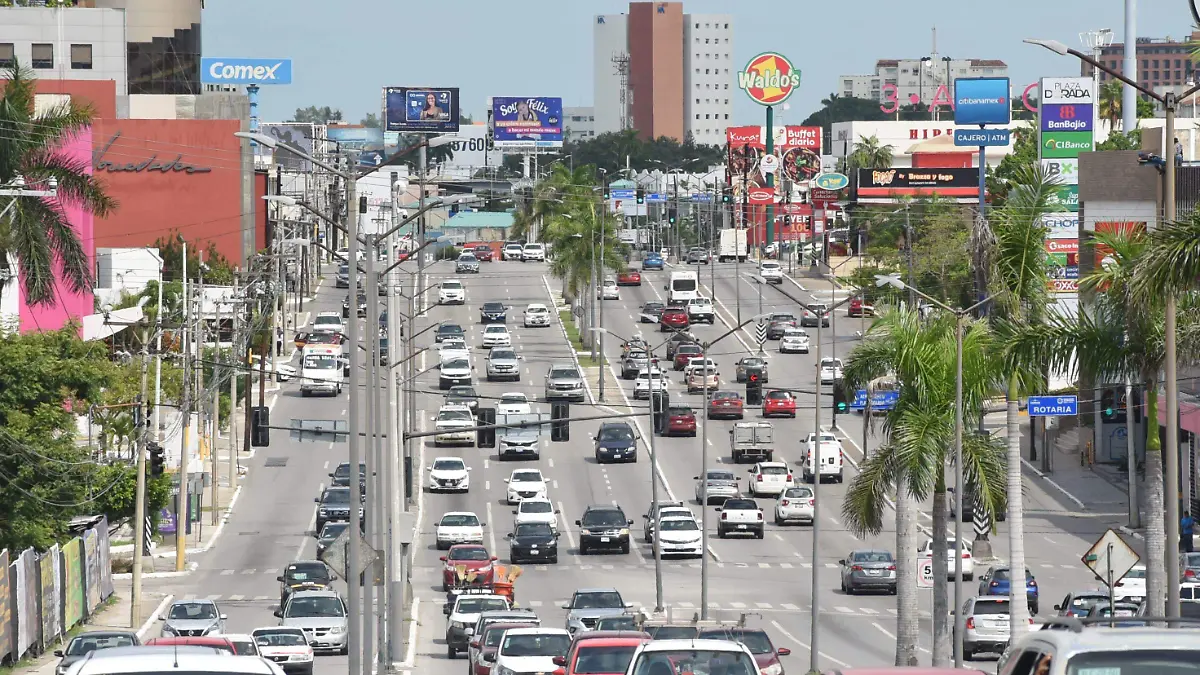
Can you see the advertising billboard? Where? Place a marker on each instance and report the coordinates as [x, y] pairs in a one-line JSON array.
[[1068, 117], [769, 79], [1066, 124], [956, 182], [527, 122], [1063, 225], [294, 134], [1069, 144], [798, 150], [982, 100], [245, 71], [421, 109]]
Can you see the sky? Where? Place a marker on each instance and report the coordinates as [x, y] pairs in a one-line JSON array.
[[344, 52]]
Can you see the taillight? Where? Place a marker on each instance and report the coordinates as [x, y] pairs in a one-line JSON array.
[[970, 623], [789, 478], [784, 502], [966, 556], [758, 478], [857, 568], [724, 516], [1033, 583], [1188, 574], [994, 584], [812, 502], [760, 515], [891, 568], [1031, 621]]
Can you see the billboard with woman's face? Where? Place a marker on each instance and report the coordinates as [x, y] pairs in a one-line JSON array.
[[421, 109]]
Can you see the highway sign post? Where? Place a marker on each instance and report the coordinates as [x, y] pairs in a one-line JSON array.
[[338, 554], [1053, 406], [1110, 559], [760, 334], [925, 573]]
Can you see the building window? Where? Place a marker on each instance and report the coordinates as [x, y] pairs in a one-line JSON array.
[[1156, 74], [697, 71], [706, 71], [1178, 63], [697, 116], [726, 26], [726, 116], [705, 40], [81, 57], [726, 86], [8, 55], [697, 26], [1155, 63], [43, 55], [706, 117]]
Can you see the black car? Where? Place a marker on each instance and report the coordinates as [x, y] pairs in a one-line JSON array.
[[603, 527], [780, 322], [303, 575], [533, 543], [464, 394], [335, 506], [449, 330], [362, 306], [615, 442], [493, 312], [651, 311], [341, 475], [328, 535], [85, 643]]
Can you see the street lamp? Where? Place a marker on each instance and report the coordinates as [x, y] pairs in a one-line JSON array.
[[894, 281], [1169, 100]]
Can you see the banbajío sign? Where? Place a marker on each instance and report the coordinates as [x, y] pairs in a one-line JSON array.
[[769, 79]]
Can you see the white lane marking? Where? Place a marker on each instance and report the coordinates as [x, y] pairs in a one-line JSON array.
[[844, 610], [777, 537], [226, 573], [487, 485], [554, 483], [485, 464], [893, 637], [236, 598], [1049, 539], [785, 566], [790, 607], [763, 605], [312, 526], [550, 462], [564, 524], [868, 610], [738, 605], [491, 528], [805, 645], [326, 465], [713, 553]]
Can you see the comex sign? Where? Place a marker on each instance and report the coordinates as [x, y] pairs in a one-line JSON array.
[[245, 71]]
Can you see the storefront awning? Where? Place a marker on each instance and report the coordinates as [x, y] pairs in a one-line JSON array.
[[100, 326]]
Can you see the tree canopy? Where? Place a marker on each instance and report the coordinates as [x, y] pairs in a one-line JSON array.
[[314, 115], [608, 151]]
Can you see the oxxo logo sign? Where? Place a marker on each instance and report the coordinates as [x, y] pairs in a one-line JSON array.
[[245, 71], [1066, 170]]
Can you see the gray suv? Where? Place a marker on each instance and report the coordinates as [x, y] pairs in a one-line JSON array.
[[634, 362], [503, 364], [564, 381], [588, 605]]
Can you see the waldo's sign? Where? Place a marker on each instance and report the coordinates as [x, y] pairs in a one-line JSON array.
[[769, 79]]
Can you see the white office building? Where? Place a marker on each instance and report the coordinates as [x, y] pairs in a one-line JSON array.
[[708, 70], [918, 77], [609, 87], [579, 123], [76, 43]]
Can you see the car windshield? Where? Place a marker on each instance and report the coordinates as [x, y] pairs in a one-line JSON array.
[[493, 307], [770, 266], [991, 607], [680, 410], [739, 504], [612, 518], [456, 415], [533, 530], [720, 475], [460, 520], [723, 395], [830, 363], [326, 320], [450, 329], [343, 471], [798, 493], [679, 525], [1135, 573], [333, 530], [774, 470], [603, 659], [466, 392], [452, 285], [564, 373], [469, 605], [555, 644], [617, 433], [1003, 574], [503, 355], [335, 496], [533, 309], [472, 553], [695, 661], [1083, 601], [780, 395], [753, 363], [1128, 661], [514, 398], [448, 465], [321, 361], [536, 507], [495, 329], [598, 600], [466, 257], [324, 605], [280, 638], [623, 622], [456, 364], [872, 557], [307, 572], [755, 640], [526, 477], [637, 356], [90, 643], [652, 306]]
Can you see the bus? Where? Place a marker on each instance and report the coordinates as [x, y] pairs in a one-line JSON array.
[[683, 287]]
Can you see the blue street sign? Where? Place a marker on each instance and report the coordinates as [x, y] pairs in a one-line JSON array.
[[882, 400], [981, 137], [622, 194], [656, 198], [701, 197], [1053, 406]]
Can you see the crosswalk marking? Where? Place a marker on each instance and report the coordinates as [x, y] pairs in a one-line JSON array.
[[763, 605], [609, 567], [535, 603], [893, 611], [685, 605], [789, 606], [844, 610], [250, 571], [226, 573], [831, 566], [272, 571], [262, 598], [236, 598], [806, 565], [214, 598], [786, 566], [764, 565], [738, 605], [868, 610]]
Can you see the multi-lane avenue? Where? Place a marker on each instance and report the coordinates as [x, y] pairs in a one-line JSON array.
[[769, 579]]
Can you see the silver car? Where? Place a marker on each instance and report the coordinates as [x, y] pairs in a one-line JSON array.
[[466, 264], [193, 618], [634, 362], [868, 570], [589, 605], [721, 485], [563, 381], [322, 617], [503, 364], [986, 625]]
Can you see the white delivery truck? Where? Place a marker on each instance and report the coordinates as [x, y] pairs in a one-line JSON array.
[[733, 244], [321, 370], [683, 287]]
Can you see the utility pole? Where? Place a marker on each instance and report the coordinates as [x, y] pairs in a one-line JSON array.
[[656, 399], [139, 502], [235, 357], [816, 524], [600, 266], [397, 504], [198, 396], [216, 420], [158, 330], [181, 504], [354, 595]]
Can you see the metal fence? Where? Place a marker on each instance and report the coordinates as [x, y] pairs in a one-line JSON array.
[[44, 595]]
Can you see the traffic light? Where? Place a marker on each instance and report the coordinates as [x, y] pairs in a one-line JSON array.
[[726, 198], [485, 438], [641, 196], [158, 459], [754, 386], [841, 402], [560, 428], [607, 193], [260, 423], [1109, 412], [672, 215]]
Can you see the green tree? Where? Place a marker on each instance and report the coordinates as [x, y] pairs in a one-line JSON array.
[[36, 231], [1023, 156], [371, 121], [869, 153], [314, 115], [921, 356], [576, 238], [1120, 141], [609, 151], [170, 247]]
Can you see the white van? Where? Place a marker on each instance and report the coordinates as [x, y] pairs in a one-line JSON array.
[[831, 460], [683, 287], [321, 370]]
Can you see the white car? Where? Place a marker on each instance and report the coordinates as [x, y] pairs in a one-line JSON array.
[[453, 348], [668, 512], [496, 335], [796, 503], [968, 563], [771, 272], [770, 478], [452, 292], [286, 646], [679, 535], [1132, 586], [831, 370], [649, 381], [793, 340], [455, 372], [329, 322], [530, 650], [700, 310], [511, 252], [281, 372], [536, 511], [525, 484], [514, 403], [454, 424], [536, 315], [458, 527], [450, 474], [608, 291], [535, 252]]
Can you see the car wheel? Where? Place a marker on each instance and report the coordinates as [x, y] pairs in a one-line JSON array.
[[720, 533], [778, 520], [450, 652], [1033, 608], [760, 534], [625, 548], [892, 590], [445, 587], [850, 590], [554, 560], [583, 550], [968, 655]]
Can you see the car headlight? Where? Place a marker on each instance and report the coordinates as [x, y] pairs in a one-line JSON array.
[[168, 631], [586, 533], [624, 532], [503, 670], [212, 629], [304, 658], [337, 630], [773, 669]]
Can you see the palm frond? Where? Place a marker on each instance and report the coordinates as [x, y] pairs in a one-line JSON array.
[[865, 503], [1171, 264]]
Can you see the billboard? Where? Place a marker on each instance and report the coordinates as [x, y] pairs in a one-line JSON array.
[[798, 150], [981, 100], [527, 122], [1066, 123], [769, 79], [366, 141], [946, 182], [420, 109], [297, 135], [245, 71]]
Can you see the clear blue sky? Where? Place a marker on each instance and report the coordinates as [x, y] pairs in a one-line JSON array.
[[345, 51]]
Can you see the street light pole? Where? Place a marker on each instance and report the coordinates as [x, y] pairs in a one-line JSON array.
[[654, 402]]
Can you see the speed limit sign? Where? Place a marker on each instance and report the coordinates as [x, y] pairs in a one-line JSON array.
[[925, 573]]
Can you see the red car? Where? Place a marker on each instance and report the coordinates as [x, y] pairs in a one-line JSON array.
[[681, 421], [685, 353], [859, 308], [483, 253], [470, 557], [779, 403], [605, 652], [629, 278], [725, 404], [215, 642], [674, 318]]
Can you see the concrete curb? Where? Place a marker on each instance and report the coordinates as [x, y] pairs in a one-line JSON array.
[[410, 654], [1051, 481], [1125, 529], [141, 632]]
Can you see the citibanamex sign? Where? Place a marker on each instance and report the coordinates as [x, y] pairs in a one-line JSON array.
[[769, 79]]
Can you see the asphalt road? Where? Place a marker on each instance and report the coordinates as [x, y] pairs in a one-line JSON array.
[[769, 578]]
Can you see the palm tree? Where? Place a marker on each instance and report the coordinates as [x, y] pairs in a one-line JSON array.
[[1110, 103], [1018, 274], [922, 356], [576, 240], [37, 233], [868, 153]]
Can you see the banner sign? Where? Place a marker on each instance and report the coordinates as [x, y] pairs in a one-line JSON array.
[[1066, 125], [245, 71], [529, 122], [1057, 90], [1068, 117], [1065, 169], [1063, 225], [956, 182], [981, 100], [982, 137], [799, 150], [1057, 144], [421, 109], [880, 401], [769, 79]]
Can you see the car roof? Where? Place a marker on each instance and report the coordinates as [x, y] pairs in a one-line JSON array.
[[459, 513], [597, 590], [1099, 638], [315, 594], [773, 464], [612, 638], [693, 645], [540, 630], [167, 659], [603, 507]]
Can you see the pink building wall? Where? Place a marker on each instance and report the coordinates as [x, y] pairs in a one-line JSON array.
[[70, 305]]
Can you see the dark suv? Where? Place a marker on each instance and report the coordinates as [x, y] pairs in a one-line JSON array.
[[334, 506], [341, 475], [493, 312], [615, 442], [603, 527]]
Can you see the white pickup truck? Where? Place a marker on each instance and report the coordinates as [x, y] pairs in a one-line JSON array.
[[740, 516], [701, 310]]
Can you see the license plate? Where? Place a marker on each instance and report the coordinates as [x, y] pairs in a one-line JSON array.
[[742, 526], [873, 573], [533, 547], [604, 540]]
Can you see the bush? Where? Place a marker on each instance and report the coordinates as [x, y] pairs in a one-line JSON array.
[[448, 253]]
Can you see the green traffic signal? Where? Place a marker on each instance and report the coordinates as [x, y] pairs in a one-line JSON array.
[[842, 406]]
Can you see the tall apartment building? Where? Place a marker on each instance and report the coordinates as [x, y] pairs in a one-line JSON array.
[[579, 123], [918, 77], [663, 72], [1162, 62]]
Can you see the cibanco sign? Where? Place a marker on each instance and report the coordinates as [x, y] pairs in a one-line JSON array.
[[245, 71]]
